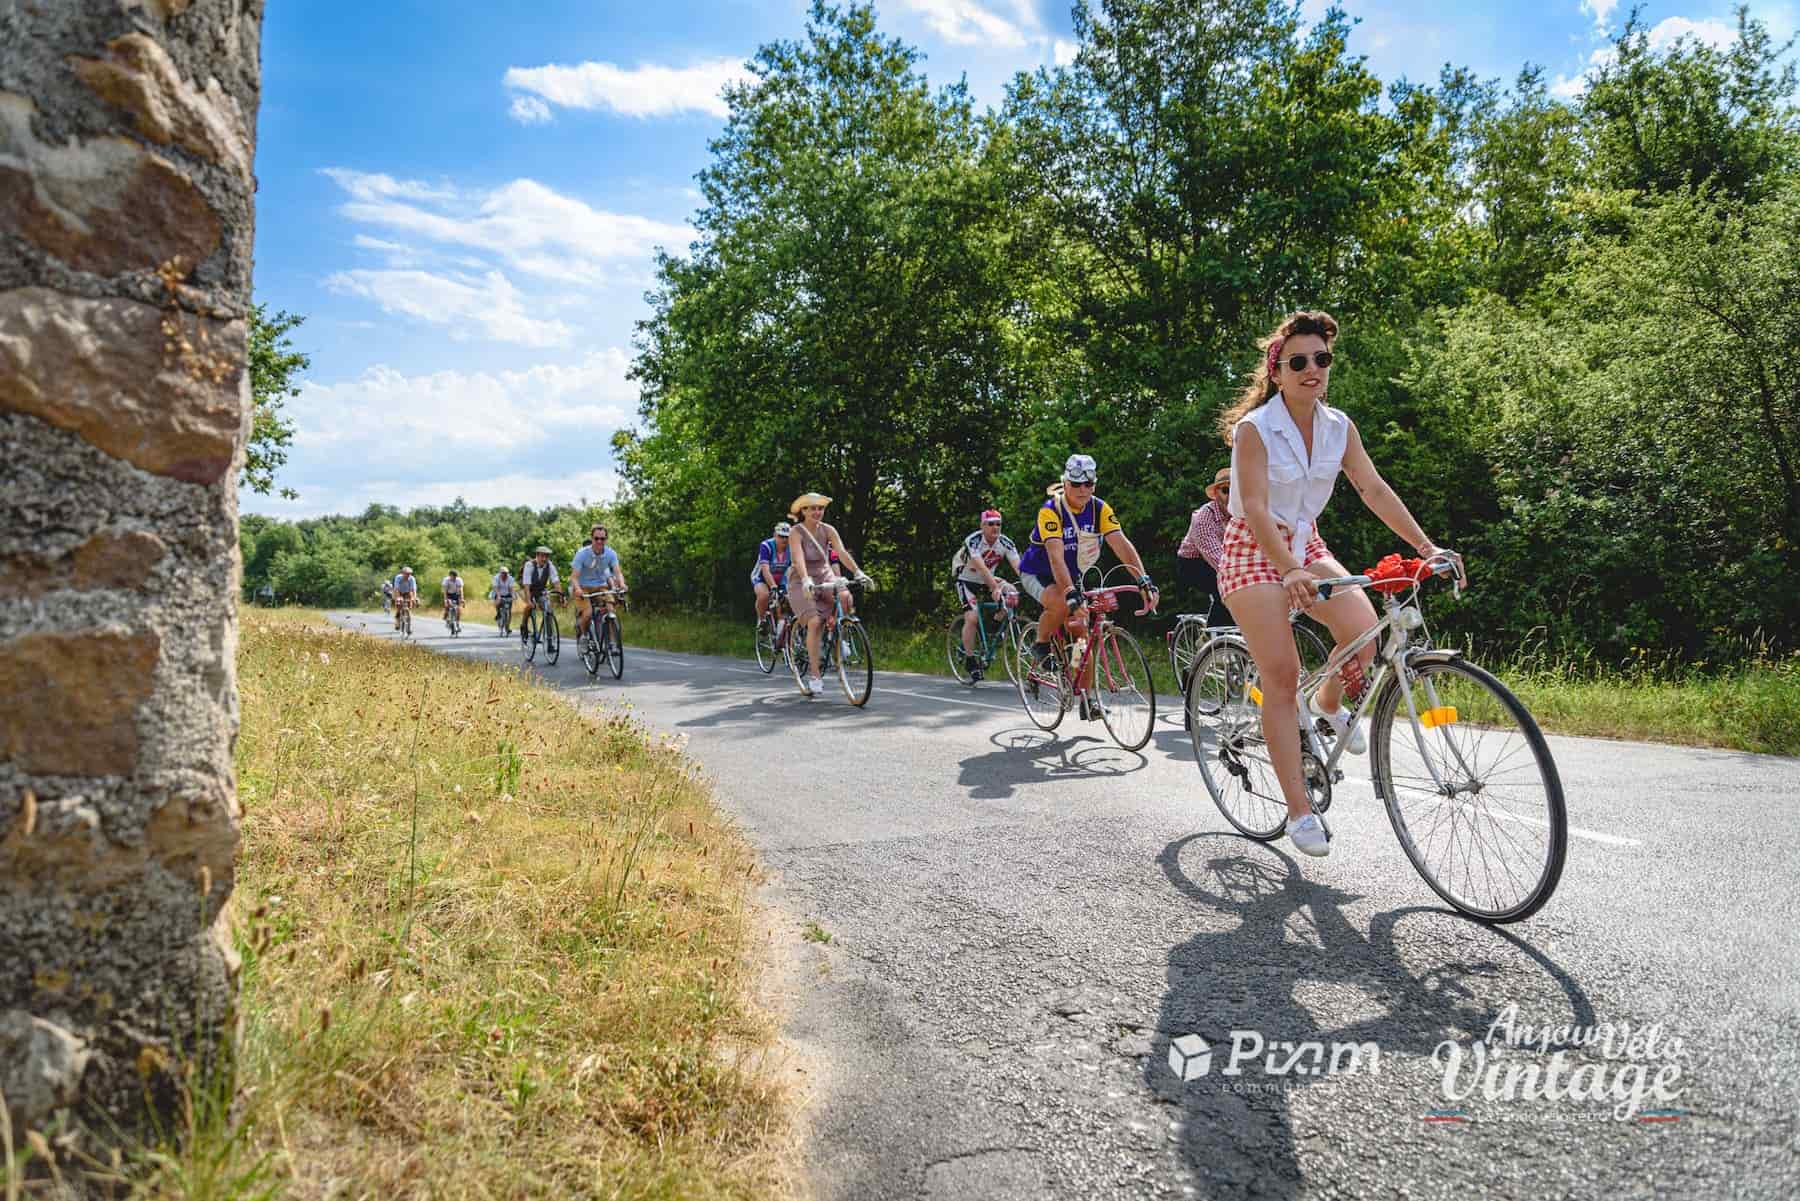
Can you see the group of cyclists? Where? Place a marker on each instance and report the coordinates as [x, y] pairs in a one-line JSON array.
[[596, 580], [1256, 539], [1257, 535]]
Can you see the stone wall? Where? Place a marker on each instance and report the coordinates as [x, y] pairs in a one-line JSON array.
[[126, 219]]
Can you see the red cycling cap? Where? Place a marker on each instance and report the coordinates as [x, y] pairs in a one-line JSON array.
[[990, 515]]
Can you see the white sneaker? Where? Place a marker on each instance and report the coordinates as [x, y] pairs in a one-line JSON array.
[[815, 686], [1309, 836], [1338, 721]]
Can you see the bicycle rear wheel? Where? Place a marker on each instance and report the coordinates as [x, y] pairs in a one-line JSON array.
[[613, 647], [766, 654], [855, 662], [1042, 689], [1124, 690], [552, 640], [1225, 724], [1187, 641], [1491, 838], [954, 652]]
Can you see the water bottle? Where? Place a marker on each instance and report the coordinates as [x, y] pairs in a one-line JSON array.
[[1077, 655]]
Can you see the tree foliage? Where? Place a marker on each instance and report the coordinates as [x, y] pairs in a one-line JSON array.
[[273, 365]]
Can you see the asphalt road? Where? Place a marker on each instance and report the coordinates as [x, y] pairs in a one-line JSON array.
[[1023, 926]]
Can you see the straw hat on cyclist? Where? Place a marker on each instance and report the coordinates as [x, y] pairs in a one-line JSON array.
[[812, 544], [1287, 448]]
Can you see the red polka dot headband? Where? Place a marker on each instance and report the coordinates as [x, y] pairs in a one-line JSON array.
[[1275, 357]]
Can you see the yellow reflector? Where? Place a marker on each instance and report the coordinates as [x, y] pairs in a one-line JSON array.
[[1256, 695], [1443, 715]]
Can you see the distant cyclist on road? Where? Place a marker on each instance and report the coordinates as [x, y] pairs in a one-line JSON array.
[[501, 593], [453, 592], [973, 570], [536, 576], [406, 593], [594, 569], [769, 576], [387, 596], [810, 544]]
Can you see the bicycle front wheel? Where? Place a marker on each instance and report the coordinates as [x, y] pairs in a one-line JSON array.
[[1225, 722], [552, 640], [766, 654], [954, 652], [855, 662], [1009, 650], [1471, 789], [406, 623], [1123, 687], [528, 634], [798, 661], [590, 652], [612, 647], [1041, 686]]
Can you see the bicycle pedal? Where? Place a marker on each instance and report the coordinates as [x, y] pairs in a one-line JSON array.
[[1337, 775]]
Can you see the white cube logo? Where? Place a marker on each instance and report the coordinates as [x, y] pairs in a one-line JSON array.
[[1189, 1057]]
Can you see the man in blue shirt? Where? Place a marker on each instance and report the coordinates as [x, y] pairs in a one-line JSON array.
[[595, 569], [406, 593]]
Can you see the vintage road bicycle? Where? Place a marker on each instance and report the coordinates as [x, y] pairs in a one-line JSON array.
[[772, 631], [403, 614], [608, 647], [997, 636], [453, 617], [1466, 776], [503, 615], [844, 644], [539, 628], [1121, 694]]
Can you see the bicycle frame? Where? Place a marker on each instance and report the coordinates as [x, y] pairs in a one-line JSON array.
[[1004, 616]]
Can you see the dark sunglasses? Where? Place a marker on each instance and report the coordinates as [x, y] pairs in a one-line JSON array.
[[1297, 362], [601, 537]]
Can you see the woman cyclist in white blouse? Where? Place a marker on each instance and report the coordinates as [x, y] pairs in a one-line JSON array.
[[1287, 447]]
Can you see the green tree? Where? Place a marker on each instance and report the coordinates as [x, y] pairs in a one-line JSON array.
[[273, 364], [842, 323]]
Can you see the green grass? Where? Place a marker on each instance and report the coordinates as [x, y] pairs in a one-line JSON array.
[[1750, 706], [492, 947]]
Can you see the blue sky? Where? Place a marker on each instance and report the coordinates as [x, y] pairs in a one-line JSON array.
[[465, 199]]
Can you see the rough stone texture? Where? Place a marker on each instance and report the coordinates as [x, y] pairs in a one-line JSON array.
[[105, 560], [104, 206], [156, 388], [78, 696], [40, 1066], [126, 226]]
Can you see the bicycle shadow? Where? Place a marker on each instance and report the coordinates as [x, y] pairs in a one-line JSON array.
[[1292, 956], [1027, 755]]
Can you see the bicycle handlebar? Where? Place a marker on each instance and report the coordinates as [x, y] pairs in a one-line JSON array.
[[1113, 590], [1441, 564]]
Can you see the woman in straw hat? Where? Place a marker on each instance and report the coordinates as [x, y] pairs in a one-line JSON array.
[[813, 545]]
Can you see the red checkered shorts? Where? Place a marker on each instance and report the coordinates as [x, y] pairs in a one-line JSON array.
[[1245, 564]]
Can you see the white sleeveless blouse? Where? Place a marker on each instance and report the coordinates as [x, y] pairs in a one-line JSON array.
[[1299, 486]]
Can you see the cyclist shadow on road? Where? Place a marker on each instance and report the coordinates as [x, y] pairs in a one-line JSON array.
[[1027, 755], [1294, 968]]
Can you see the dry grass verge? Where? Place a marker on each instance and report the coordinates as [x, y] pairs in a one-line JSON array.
[[492, 948]]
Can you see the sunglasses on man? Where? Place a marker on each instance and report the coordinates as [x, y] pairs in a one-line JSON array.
[[1297, 362]]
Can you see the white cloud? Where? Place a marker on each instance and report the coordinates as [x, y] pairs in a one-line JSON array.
[[375, 186], [488, 302], [646, 90], [1601, 11], [1716, 34], [529, 110], [1661, 36], [972, 22], [526, 225], [1062, 51], [386, 415], [364, 242]]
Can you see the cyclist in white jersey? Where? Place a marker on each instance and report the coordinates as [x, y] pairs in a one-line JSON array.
[[973, 569]]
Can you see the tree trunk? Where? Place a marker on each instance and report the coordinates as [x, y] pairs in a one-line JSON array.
[[126, 215]]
